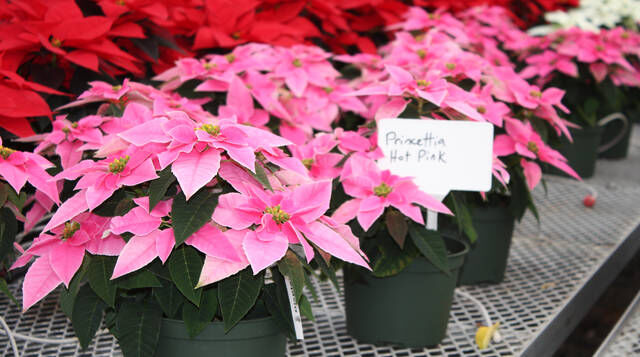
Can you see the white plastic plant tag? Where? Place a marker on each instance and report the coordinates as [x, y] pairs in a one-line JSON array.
[[441, 155], [295, 310]]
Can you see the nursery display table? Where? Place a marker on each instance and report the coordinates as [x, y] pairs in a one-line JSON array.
[[624, 339], [556, 271]]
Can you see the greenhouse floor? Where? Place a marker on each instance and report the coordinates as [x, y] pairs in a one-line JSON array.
[[556, 271]]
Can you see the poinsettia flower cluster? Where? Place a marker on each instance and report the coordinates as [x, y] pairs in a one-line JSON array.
[[298, 85], [612, 54], [448, 71], [592, 15], [44, 43], [374, 190], [252, 225]]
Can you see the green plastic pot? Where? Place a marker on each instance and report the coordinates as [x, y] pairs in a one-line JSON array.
[[410, 309], [583, 152], [487, 257], [249, 338]]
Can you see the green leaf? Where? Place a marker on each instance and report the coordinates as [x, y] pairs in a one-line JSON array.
[[305, 308], [4, 193], [158, 187], [117, 205], [396, 226], [169, 298], [392, 260], [8, 232], [138, 325], [261, 176], [463, 217], [99, 274], [189, 216], [138, 279], [185, 265], [87, 315], [327, 270], [290, 266], [237, 294], [276, 300], [197, 319], [68, 296], [17, 199], [148, 46], [431, 245], [5, 289]]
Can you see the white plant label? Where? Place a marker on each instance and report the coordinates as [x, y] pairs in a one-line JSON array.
[[441, 155], [295, 310]]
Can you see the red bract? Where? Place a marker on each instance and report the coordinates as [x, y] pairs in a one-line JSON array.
[[60, 28], [523, 12], [20, 101]]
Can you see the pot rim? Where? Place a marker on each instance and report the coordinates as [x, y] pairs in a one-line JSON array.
[[259, 320], [449, 236]]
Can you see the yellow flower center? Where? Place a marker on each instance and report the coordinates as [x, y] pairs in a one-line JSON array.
[[536, 93], [481, 109], [208, 65], [450, 66], [307, 163], [382, 190], [120, 2], [66, 130], [533, 147], [5, 152], [625, 35], [423, 83], [56, 42], [74, 125], [279, 216], [421, 53], [116, 87], [236, 35], [70, 228], [297, 63], [230, 57], [118, 165], [328, 90], [210, 129]]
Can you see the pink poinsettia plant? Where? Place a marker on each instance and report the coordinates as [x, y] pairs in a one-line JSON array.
[[458, 68], [169, 200], [600, 70]]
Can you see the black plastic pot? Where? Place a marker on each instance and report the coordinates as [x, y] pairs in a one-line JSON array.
[[249, 338], [620, 141], [487, 257], [583, 152], [410, 309]]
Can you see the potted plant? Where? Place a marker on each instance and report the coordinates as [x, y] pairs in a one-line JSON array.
[[414, 269], [521, 113], [593, 67], [184, 233]]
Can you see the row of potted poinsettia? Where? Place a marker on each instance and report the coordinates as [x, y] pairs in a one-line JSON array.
[[186, 211]]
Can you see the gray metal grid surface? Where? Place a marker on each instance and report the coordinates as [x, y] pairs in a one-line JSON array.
[[549, 267], [624, 339]]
